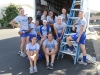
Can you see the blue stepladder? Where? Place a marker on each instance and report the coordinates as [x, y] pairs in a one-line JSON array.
[[71, 19]]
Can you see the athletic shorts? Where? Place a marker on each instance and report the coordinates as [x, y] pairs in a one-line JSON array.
[[82, 38], [25, 34], [31, 36], [38, 37], [59, 35]]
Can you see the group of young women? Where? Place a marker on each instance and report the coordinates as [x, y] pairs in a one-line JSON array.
[[47, 36]]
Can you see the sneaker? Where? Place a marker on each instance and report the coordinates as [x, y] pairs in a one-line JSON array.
[[47, 65], [23, 54], [31, 70], [51, 66], [19, 52], [35, 70], [81, 62], [69, 51]]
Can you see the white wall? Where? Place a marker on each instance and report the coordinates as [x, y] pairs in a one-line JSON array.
[[28, 5]]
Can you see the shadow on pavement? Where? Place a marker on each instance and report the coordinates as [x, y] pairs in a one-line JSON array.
[[12, 64]]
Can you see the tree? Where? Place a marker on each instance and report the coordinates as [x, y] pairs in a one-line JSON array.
[[98, 13], [8, 14]]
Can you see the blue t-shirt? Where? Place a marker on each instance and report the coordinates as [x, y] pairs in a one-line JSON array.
[[31, 25], [81, 22], [50, 44], [44, 31], [60, 27], [23, 21], [31, 47]]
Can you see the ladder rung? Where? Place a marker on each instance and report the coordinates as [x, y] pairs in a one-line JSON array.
[[69, 25], [73, 42], [69, 34], [66, 52], [74, 18], [75, 9], [77, 2]]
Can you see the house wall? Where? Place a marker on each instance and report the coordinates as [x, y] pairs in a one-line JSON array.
[[28, 5]]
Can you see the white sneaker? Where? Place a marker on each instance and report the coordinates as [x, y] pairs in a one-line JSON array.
[[35, 70], [23, 54], [81, 62], [19, 52], [69, 51], [31, 70]]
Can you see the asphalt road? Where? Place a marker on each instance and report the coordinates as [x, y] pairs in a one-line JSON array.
[[13, 64]]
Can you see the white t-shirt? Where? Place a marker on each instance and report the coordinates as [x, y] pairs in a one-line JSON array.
[[64, 17], [49, 19], [80, 23], [32, 48], [50, 44], [31, 25], [44, 30], [60, 27], [37, 28], [23, 20], [43, 18]]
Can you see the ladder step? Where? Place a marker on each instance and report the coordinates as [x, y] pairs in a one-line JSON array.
[[69, 34], [66, 52], [75, 9], [77, 2], [69, 25], [74, 18], [73, 42]]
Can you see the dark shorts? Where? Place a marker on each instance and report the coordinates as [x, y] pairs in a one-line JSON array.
[[82, 38]]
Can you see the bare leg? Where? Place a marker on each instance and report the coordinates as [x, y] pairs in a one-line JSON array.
[[46, 55], [83, 49], [52, 56], [69, 39], [29, 56], [27, 39], [42, 40], [22, 44]]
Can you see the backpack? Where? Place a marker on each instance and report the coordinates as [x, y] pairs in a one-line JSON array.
[[48, 27]]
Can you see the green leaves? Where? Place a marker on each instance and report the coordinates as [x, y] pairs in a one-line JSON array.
[[10, 12]]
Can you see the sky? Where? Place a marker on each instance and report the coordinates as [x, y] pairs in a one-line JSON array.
[[94, 5]]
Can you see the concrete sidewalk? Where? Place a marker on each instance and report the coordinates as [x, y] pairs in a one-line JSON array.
[[12, 64]]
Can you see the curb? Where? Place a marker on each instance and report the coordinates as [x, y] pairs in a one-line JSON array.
[[96, 43]]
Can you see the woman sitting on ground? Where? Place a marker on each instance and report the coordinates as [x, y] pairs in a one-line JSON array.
[[32, 50], [50, 48]]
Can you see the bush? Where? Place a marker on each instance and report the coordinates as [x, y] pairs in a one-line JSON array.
[[9, 14]]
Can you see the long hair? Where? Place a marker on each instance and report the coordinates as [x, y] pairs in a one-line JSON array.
[[66, 17], [53, 14]]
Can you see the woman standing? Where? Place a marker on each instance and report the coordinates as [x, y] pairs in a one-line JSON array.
[[64, 15], [23, 21]]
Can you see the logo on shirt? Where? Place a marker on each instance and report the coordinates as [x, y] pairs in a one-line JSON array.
[[24, 20], [50, 46]]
